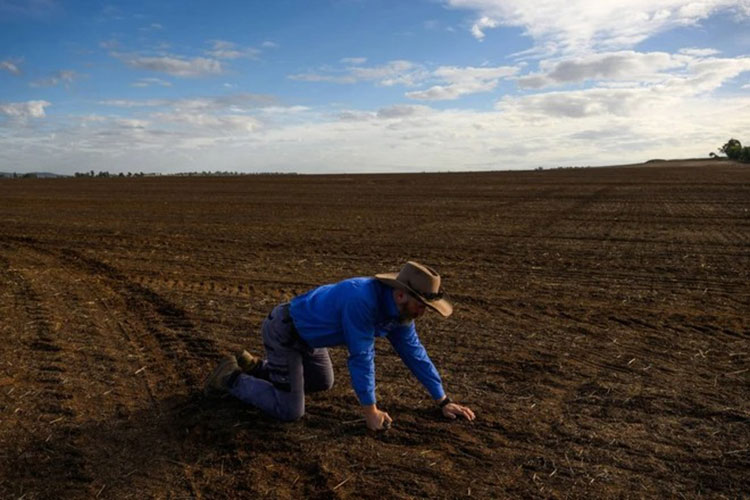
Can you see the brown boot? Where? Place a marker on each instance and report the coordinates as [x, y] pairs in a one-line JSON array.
[[247, 362], [218, 382]]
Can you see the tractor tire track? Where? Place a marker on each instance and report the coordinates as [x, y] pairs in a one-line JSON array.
[[104, 373], [48, 393], [176, 335]]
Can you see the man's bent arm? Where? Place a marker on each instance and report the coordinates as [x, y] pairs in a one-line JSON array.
[[360, 341], [414, 355]]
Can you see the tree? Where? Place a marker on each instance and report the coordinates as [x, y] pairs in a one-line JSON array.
[[733, 149]]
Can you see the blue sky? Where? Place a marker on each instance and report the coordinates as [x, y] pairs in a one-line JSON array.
[[368, 86]]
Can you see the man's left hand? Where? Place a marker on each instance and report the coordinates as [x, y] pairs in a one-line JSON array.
[[453, 410]]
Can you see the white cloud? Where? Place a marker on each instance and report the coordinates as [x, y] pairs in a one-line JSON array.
[[453, 81], [578, 25], [594, 130], [699, 52], [65, 77], [658, 92], [402, 111], [483, 23], [24, 110], [389, 113], [131, 123], [174, 65], [353, 60], [318, 77], [459, 81], [124, 103], [151, 82], [614, 66], [269, 45], [354, 115], [398, 72], [283, 110], [682, 74], [152, 27], [436, 93], [706, 75], [10, 67], [579, 104], [231, 102], [206, 121], [222, 49], [238, 113], [393, 73]]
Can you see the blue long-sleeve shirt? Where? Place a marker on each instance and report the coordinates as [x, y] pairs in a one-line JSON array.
[[354, 312]]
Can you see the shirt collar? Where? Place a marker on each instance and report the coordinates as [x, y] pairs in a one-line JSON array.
[[386, 297]]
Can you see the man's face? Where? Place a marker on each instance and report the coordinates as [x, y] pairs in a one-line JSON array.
[[409, 307]]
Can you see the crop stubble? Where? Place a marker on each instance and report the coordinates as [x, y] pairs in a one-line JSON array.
[[600, 333]]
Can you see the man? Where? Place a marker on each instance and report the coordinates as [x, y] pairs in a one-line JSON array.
[[353, 313]]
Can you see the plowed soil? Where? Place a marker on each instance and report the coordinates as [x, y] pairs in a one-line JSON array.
[[601, 334]]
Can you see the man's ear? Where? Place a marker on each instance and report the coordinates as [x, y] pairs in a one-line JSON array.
[[400, 296]]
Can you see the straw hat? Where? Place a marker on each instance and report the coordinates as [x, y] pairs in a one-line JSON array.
[[422, 282]]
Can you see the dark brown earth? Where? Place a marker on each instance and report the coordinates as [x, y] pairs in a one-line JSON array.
[[601, 334]]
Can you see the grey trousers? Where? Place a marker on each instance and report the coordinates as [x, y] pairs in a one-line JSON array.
[[291, 369]]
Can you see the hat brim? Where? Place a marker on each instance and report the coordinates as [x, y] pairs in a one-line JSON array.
[[442, 306]]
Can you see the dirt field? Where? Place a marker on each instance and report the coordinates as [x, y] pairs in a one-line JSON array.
[[601, 334]]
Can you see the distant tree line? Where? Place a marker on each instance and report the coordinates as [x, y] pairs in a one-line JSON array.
[[222, 173], [91, 173], [217, 173], [734, 151], [106, 174], [28, 175]]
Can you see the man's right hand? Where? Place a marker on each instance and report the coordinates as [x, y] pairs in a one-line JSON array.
[[375, 419]]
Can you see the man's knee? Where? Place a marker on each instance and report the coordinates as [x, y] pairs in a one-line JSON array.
[[320, 384], [292, 413], [327, 383], [291, 406]]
